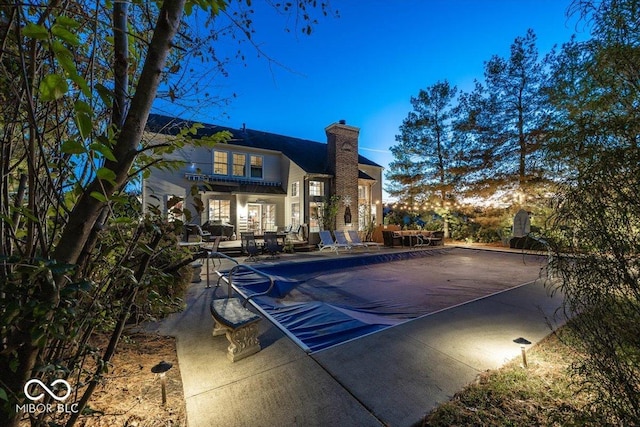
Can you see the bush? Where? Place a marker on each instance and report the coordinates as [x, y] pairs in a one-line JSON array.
[[596, 265]]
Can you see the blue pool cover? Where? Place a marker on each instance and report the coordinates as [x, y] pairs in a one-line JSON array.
[[332, 300]]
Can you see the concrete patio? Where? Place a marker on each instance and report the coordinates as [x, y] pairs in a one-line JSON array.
[[392, 377]]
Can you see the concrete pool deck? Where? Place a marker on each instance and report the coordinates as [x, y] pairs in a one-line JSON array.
[[392, 377]]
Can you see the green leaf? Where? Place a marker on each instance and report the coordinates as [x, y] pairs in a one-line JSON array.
[[67, 22], [35, 31], [83, 118], [106, 174], [82, 84], [105, 94], [98, 196], [64, 34], [104, 150], [53, 87], [73, 147], [3, 395]]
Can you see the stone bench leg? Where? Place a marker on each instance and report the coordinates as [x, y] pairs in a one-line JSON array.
[[218, 329], [243, 342]]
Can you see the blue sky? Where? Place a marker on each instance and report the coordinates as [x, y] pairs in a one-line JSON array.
[[364, 66]]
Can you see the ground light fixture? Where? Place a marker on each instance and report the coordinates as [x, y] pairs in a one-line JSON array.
[[161, 369], [523, 342]]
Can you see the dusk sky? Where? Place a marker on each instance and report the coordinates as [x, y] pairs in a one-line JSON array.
[[364, 66]]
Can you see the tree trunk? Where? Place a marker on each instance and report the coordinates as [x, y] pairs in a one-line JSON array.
[[85, 213], [87, 210]]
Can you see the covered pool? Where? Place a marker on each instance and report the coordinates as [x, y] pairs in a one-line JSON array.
[[321, 303]]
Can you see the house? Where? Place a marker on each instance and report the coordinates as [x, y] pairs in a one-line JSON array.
[[260, 181]]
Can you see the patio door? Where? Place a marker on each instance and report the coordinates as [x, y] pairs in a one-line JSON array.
[[261, 217]]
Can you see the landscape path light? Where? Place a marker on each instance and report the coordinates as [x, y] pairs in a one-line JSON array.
[[161, 369], [523, 342]]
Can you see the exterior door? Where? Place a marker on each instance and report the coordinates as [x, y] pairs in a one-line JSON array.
[[254, 218]]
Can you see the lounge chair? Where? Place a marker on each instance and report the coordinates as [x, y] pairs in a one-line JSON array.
[[271, 244], [327, 242], [249, 246], [355, 240], [341, 239]]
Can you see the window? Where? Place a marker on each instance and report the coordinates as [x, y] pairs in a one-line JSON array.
[[256, 166], [316, 188], [219, 210], [295, 189], [315, 216], [362, 192], [239, 165], [220, 166], [295, 214]]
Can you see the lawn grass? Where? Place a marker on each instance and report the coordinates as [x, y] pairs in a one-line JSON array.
[[542, 394]]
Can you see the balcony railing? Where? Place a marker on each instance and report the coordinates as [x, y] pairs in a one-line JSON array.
[[230, 180]]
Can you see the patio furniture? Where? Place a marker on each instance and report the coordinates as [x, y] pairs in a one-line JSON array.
[[239, 324], [391, 239], [355, 240], [294, 232], [327, 242], [433, 238], [218, 228], [271, 245], [194, 233], [341, 239], [212, 251], [249, 246]]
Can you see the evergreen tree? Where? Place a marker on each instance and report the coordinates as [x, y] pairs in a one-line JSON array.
[[508, 118], [426, 165]]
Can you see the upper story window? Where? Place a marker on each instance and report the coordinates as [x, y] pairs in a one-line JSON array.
[[316, 188], [295, 189], [220, 163], [256, 167], [239, 164]]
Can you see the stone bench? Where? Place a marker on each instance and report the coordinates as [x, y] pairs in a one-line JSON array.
[[239, 324]]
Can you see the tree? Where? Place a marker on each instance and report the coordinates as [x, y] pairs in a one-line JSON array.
[[595, 262], [78, 82], [508, 119], [427, 156]]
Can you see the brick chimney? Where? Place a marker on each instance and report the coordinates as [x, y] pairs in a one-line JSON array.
[[342, 141]]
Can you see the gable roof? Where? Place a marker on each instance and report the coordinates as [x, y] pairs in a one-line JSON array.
[[311, 156]]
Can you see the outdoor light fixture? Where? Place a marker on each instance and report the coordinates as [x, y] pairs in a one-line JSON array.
[[523, 342], [162, 368]]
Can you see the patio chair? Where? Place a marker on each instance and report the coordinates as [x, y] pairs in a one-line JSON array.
[[249, 246], [294, 232], [212, 249], [327, 242], [271, 244], [355, 240], [341, 239]]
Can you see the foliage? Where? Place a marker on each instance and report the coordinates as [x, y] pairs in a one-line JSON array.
[[597, 218], [329, 212], [542, 394], [77, 83], [427, 165], [596, 264], [488, 143]]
